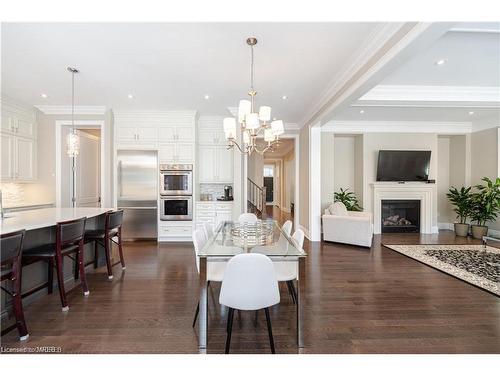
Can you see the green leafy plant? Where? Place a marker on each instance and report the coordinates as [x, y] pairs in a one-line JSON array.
[[462, 202], [486, 201], [348, 198]]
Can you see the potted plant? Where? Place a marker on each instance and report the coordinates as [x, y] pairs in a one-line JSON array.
[[462, 202], [485, 206], [348, 198]]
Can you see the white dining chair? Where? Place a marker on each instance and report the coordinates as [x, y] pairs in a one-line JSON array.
[[209, 230], [288, 271], [249, 284], [215, 270], [248, 218]]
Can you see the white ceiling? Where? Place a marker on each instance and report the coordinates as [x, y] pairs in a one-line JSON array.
[[473, 59], [472, 54], [172, 66]]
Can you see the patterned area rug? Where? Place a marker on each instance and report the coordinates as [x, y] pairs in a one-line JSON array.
[[475, 264]]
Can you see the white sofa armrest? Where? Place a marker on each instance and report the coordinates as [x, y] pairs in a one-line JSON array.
[[361, 214]]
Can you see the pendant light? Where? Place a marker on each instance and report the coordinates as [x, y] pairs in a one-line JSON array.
[[252, 122], [72, 139]]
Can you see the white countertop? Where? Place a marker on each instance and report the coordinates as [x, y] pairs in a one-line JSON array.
[[45, 217]]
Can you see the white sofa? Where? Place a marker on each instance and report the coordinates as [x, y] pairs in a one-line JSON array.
[[349, 227]]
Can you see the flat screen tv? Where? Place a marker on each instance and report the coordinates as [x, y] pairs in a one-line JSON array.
[[403, 165]]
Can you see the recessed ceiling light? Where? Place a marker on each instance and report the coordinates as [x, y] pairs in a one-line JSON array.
[[441, 62], [284, 97], [45, 96], [130, 96], [471, 113], [362, 111], [207, 96]]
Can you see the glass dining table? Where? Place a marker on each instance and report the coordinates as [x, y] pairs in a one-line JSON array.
[[233, 238]]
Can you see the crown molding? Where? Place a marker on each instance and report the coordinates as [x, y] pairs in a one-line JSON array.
[[359, 127], [66, 110], [433, 93]]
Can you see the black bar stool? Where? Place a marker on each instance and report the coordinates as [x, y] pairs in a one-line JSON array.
[[69, 241], [112, 230], [10, 261]]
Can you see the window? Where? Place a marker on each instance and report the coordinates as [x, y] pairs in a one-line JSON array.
[[268, 171]]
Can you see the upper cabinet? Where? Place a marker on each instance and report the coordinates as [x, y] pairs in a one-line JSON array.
[[172, 133], [215, 162], [18, 141], [167, 133]]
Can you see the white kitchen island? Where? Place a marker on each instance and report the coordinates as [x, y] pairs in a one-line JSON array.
[[40, 227], [46, 217]]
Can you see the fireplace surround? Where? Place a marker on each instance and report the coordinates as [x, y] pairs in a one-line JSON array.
[[421, 191]]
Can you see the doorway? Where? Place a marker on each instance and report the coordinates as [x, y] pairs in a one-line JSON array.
[[79, 181]]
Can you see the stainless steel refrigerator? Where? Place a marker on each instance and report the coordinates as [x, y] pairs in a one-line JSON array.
[[138, 193]]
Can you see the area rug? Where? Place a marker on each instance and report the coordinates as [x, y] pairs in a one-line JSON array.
[[474, 264]]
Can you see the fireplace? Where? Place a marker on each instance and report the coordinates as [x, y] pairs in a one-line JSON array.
[[400, 216]]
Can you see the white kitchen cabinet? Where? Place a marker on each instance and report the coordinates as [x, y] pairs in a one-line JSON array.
[[8, 155], [215, 164], [176, 133], [18, 158], [213, 213], [24, 128], [137, 134], [211, 136], [20, 126], [25, 168], [126, 134], [147, 134], [176, 152], [207, 163]]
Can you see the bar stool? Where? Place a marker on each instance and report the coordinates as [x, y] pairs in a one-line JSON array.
[[112, 229], [69, 240], [10, 261]]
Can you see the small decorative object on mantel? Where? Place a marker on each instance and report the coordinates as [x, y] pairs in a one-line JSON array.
[[462, 202], [348, 198], [485, 206]]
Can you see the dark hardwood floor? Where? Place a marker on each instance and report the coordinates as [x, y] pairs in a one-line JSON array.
[[357, 301]]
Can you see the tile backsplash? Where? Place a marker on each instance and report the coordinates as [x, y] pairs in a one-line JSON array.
[[215, 190], [12, 193]]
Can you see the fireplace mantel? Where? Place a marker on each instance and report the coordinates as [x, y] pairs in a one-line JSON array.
[[409, 190]]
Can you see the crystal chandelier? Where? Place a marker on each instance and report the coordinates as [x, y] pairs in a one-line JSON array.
[[72, 139], [253, 123]]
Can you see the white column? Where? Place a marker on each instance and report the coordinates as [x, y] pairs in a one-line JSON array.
[[315, 182]]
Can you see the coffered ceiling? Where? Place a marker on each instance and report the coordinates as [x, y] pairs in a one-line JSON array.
[[456, 78]]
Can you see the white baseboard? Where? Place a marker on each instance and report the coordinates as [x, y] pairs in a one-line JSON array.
[[435, 229], [446, 226], [306, 231]]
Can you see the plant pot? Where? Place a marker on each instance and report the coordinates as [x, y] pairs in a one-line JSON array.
[[478, 231], [461, 230]]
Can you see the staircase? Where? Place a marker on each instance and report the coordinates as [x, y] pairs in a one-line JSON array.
[[256, 199]]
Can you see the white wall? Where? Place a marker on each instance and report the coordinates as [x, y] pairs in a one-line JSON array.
[[288, 181], [256, 168], [485, 159], [443, 180], [304, 177], [327, 169], [344, 164]]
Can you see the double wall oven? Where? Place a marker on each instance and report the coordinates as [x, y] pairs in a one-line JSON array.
[[176, 192]]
